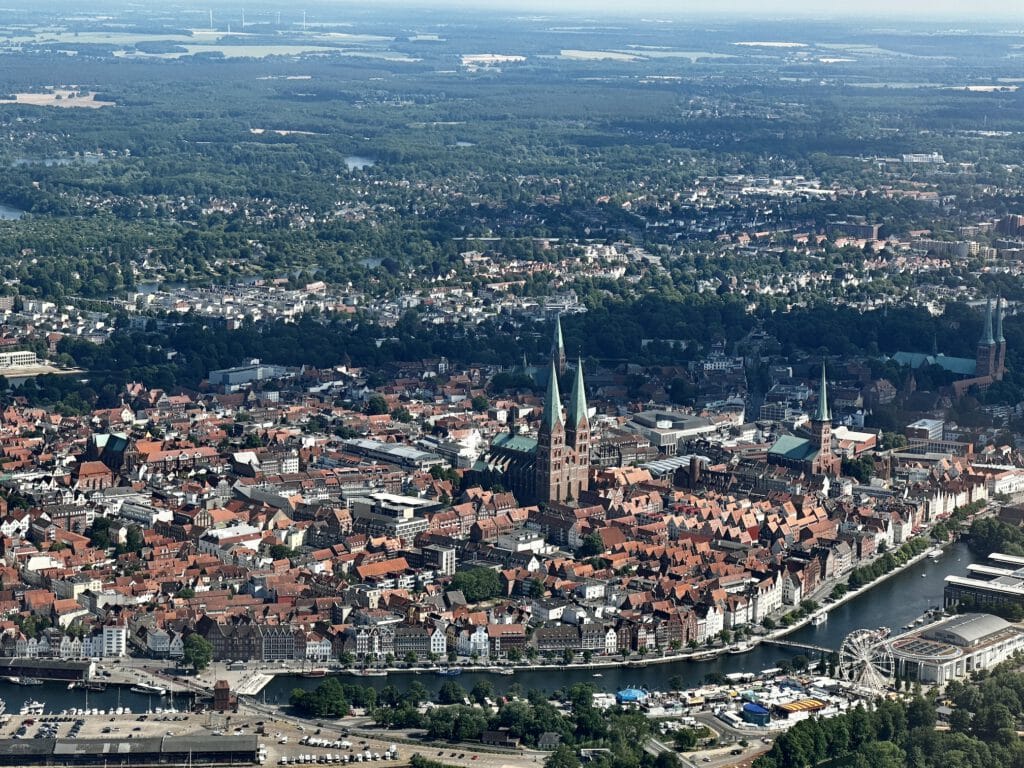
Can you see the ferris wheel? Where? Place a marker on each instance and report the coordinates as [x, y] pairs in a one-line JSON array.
[[865, 658]]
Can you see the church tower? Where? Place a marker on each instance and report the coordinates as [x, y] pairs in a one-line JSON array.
[[986, 354], [1000, 342], [826, 462], [551, 449], [558, 347], [577, 436]]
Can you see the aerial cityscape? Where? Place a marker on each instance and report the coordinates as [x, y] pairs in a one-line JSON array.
[[510, 385]]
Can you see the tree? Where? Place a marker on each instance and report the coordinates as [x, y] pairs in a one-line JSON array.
[[280, 552], [480, 403], [375, 406], [685, 739], [481, 691], [451, 693], [198, 652], [477, 584], [592, 545], [411, 658], [564, 756], [417, 693]]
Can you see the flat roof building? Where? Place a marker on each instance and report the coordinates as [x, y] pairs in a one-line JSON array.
[[999, 583], [956, 647]]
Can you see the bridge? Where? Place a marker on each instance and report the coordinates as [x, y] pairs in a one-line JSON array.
[[799, 646]]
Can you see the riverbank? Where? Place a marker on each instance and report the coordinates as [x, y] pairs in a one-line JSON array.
[[845, 598], [248, 682]]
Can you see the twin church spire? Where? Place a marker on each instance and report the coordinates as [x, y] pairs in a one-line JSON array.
[[577, 410], [563, 442]]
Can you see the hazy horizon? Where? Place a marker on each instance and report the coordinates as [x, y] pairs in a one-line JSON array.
[[980, 10]]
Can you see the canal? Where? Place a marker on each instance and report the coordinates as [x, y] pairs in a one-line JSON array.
[[894, 603]]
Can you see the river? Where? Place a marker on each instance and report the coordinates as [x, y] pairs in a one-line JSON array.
[[893, 603]]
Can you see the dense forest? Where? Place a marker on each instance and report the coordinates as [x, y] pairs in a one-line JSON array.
[[211, 168]]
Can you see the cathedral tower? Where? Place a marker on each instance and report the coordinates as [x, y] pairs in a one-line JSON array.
[[551, 450], [577, 436], [826, 462], [1000, 342], [986, 353]]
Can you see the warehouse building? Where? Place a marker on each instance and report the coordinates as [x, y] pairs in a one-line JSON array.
[[169, 750]]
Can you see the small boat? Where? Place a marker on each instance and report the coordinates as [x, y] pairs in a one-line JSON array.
[[370, 672], [449, 672], [155, 690], [315, 673], [740, 648], [23, 680], [92, 685], [935, 552], [506, 672], [819, 618], [597, 674], [924, 575]]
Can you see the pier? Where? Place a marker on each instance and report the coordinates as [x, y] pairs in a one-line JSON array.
[[798, 646]]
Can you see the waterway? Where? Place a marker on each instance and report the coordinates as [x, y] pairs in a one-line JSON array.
[[893, 603], [56, 696]]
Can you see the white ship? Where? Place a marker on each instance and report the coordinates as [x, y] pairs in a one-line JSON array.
[[32, 708]]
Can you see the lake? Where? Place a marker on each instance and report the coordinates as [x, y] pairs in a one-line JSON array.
[[8, 213], [357, 163]]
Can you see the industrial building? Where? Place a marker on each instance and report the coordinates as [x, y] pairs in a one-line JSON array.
[[956, 647], [169, 750]]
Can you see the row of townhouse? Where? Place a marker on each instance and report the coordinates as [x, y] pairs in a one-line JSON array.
[[109, 643], [377, 642]]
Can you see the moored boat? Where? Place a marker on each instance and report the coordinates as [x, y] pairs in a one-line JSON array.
[[155, 690], [23, 680], [32, 708]]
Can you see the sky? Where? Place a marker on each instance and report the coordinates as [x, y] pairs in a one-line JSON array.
[[976, 9]]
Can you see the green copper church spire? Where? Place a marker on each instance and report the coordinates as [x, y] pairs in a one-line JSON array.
[[986, 338], [822, 413], [999, 321], [578, 398], [552, 403], [558, 346]]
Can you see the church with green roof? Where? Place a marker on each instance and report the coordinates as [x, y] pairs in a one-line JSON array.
[[554, 467], [812, 455]]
